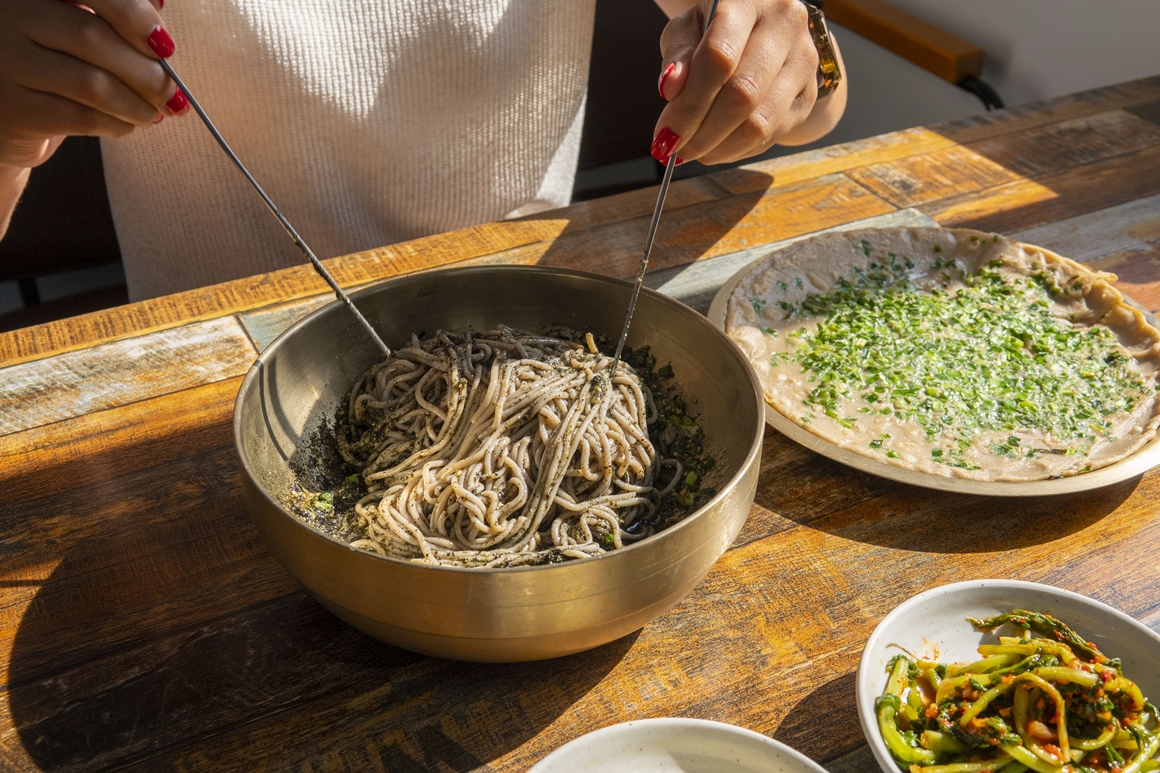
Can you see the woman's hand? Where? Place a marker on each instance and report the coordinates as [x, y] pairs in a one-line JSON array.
[[743, 84], [70, 69]]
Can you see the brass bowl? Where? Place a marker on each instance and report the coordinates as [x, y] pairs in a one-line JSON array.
[[495, 615]]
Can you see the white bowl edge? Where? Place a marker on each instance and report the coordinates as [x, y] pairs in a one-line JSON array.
[[673, 744]]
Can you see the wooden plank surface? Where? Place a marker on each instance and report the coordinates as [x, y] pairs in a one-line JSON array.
[[1068, 144], [1124, 240], [1149, 111], [123, 372], [350, 271], [698, 233], [959, 171], [695, 284], [144, 627], [278, 681], [300, 282], [932, 176], [1139, 95], [1033, 114], [1057, 196]]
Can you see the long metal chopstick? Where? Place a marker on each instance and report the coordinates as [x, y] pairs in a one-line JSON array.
[[314, 261], [652, 234]]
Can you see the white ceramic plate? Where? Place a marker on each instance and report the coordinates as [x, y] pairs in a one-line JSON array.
[[933, 623], [675, 746], [1137, 464]]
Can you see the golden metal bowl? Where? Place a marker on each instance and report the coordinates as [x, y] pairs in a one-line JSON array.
[[495, 614]]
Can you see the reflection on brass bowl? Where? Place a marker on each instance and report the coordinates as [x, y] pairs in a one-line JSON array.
[[495, 614]]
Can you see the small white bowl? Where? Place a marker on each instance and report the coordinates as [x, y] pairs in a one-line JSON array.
[[675, 745], [933, 624]]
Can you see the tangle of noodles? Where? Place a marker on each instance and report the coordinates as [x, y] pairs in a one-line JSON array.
[[502, 449]]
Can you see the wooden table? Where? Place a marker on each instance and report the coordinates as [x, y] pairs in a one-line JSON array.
[[144, 627]]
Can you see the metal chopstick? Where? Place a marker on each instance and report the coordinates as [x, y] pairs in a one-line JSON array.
[[314, 261], [652, 235]]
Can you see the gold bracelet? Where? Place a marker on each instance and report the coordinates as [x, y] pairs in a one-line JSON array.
[[829, 74]]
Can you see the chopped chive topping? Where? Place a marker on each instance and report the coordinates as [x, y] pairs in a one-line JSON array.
[[797, 280], [987, 357], [781, 285], [758, 304], [769, 331]]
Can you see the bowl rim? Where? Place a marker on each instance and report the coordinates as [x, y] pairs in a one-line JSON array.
[[868, 718], [259, 364], [688, 724]]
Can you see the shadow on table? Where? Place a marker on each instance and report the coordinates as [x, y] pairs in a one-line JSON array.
[[697, 214], [167, 638], [276, 687], [825, 739], [863, 508]]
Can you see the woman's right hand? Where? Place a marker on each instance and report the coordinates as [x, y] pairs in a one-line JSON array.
[[72, 69]]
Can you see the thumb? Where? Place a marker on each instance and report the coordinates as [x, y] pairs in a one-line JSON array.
[[678, 42]]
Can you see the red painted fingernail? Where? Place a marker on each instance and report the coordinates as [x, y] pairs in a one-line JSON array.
[[662, 146], [680, 160], [664, 76], [160, 117], [160, 42], [178, 103], [160, 4]]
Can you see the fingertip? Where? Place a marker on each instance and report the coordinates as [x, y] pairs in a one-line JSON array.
[[665, 73], [664, 144], [673, 78], [160, 42], [178, 104]]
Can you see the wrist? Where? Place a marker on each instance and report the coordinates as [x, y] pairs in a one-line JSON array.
[[10, 172]]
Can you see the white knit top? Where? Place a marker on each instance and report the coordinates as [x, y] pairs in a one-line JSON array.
[[366, 121]]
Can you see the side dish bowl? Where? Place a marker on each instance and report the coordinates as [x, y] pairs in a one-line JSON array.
[[933, 623], [675, 746], [494, 614]]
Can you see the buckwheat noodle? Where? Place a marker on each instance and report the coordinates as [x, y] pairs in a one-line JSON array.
[[502, 449]]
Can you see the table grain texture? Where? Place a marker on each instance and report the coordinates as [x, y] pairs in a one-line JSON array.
[[144, 627]]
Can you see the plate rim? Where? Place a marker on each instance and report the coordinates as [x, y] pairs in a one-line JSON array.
[[1145, 458], [690, 722]]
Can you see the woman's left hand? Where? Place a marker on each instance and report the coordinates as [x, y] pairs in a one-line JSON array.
[[738, 87]]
